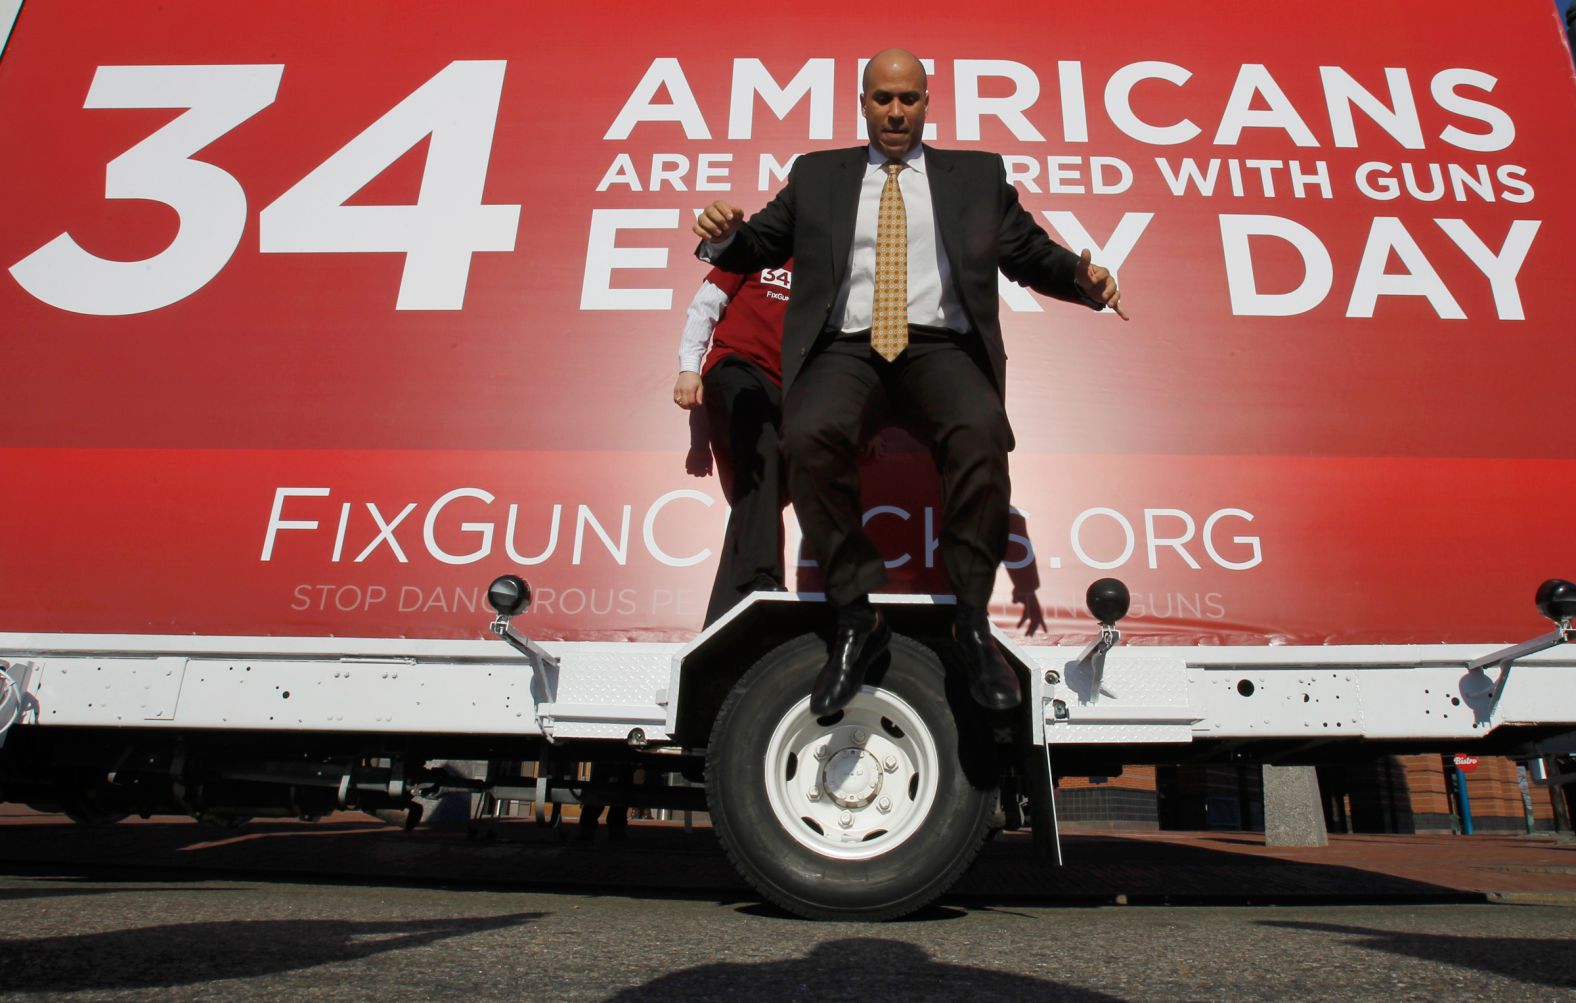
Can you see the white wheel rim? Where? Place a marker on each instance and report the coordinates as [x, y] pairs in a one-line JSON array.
[[870, 789]]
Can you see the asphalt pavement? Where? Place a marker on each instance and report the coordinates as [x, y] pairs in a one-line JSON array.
[[347, 909], [137, 938]]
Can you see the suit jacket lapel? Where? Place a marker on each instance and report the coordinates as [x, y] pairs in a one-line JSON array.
[[843, 207], [946, 201]]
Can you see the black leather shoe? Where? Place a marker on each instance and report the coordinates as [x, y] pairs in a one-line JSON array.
[[992, 683], [853, 651], [766, 583]]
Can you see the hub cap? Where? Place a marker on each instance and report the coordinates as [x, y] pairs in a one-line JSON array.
[[857, 787]]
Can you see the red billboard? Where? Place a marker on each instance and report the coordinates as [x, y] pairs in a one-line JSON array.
[[316, 317]]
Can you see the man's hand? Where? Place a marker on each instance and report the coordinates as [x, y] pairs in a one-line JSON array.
[[718, 221], [1098, 284], [688, 392]]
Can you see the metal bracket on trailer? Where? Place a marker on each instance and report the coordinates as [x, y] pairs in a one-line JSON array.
[[541, 662], [1042, 779], [1541, 773], [1506, 657], [14, 701], [1543, 765], [1092, 658]]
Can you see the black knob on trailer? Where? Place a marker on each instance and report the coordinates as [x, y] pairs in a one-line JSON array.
[[1108, 600], [509, 594], [1557, 600]]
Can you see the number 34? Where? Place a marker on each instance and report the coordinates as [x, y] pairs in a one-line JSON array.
[[458, 108]]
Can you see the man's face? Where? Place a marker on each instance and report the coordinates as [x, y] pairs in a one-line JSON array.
[[895, 101]]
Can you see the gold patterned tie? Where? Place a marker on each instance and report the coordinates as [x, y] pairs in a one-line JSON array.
[[889, 315]]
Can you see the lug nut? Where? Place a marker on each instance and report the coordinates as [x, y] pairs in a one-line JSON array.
[[846, 819], [860, 737], [890, 763], [820, 752], [814, 794], [885, 805]]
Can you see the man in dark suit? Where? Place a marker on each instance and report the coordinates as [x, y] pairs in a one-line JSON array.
[[894, 305]]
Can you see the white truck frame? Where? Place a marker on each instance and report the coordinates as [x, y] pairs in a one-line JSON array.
[[869, 813]]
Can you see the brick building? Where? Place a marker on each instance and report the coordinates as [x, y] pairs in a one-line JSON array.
[[1388, 794]]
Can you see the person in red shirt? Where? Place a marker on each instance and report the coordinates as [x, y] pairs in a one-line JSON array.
[[730, 367], [730, 364]]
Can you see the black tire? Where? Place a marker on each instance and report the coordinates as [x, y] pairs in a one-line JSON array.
[[794, 863], [93, 821], [83, 807]]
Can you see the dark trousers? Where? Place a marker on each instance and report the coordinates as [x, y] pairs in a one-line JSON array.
[[938, 387], [744, 410]]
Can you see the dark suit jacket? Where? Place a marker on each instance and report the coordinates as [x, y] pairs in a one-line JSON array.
[[978, 219]]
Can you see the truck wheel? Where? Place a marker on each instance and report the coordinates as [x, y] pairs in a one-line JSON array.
[[869, 813], [83, 808], [93, 819]]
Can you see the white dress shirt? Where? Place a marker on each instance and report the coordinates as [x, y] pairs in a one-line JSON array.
[[932, 300], [699, 321]]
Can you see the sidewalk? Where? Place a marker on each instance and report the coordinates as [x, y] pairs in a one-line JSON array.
[[661, 859]]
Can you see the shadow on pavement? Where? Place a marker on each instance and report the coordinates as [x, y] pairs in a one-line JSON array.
[[1101, 869], [661, 861], [929, 914], [1545, 962], [182, 954], [837, 968]]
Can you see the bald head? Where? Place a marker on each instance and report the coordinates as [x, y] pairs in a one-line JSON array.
[[895, 59], [894, 99]]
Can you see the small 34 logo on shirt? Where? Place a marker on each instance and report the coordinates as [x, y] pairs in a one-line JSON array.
[[777, 277]]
